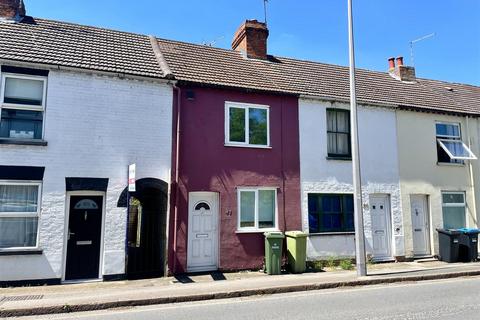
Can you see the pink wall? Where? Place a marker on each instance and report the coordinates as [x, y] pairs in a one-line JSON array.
[[207, 165]]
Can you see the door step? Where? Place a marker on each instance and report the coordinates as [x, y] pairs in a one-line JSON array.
[[383, 260], [425, 259]]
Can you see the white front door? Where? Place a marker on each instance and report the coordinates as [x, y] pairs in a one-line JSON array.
[[202, 249], [381, 231], [420, 228]]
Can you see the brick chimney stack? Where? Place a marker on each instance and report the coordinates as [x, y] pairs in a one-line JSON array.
[[251, 39], [400, 71], [12, 10]]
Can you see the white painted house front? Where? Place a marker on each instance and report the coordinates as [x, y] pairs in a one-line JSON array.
[[93, 127], [326, 180]]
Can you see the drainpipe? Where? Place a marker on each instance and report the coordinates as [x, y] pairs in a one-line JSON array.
[[177, 161], [470, 171]]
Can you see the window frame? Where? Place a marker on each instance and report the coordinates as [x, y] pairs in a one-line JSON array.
[[246, 107], [24, 214], [321, 211], [441, 138], [256, 228], [349, 134], [453, 157], [19, 106], [16, 106], [456, 204]]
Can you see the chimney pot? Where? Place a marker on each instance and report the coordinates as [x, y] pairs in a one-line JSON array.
[[251, 39], [400, 61], [12, 10], [391, 63]]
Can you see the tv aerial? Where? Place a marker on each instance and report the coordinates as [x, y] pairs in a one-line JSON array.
[[412, 62], [265, 2]]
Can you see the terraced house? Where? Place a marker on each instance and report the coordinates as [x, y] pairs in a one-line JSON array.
[[78, 106], [227, 144]]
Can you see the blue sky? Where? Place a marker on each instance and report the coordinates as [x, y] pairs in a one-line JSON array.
[[309, 29]]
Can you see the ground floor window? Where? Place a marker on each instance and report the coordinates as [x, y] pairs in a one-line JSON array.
[[19, 211], [257, 208], [330, 212], [453, 208]]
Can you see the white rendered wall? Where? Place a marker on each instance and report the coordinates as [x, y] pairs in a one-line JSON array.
[[378, 155], [95, 127]]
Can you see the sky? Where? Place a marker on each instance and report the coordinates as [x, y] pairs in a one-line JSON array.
[[309, 29]]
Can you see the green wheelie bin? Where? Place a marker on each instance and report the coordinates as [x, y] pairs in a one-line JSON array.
[[273, 252], [296, 250]]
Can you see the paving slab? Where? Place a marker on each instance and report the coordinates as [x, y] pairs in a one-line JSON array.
[[103, 295]]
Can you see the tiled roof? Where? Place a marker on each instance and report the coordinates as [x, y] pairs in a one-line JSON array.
[[203, 64], [50, 42], [70, 45]]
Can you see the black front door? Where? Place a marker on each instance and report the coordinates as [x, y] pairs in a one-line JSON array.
[[84, 236]]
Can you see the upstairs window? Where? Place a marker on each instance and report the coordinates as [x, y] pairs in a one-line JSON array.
[[247, 125], [338, 132], [22, 106], [450, 147]]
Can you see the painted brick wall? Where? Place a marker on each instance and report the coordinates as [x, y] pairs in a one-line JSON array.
[[95, 126], [206, 164], [378, 153]]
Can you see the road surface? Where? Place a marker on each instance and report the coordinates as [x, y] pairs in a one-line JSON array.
[[443, 299]]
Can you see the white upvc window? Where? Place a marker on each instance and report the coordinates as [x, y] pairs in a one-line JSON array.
[[19, 213], [454, 209], [247, 125], [450, 147], [257, 209], [22, 106]]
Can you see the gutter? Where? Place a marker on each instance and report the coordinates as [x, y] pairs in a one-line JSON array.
[[119, 75], [347, 100], [375, 103]]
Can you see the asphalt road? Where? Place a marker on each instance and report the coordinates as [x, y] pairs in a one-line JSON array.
[[443, 299]]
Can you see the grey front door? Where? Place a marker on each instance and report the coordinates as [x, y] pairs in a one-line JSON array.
[[420, 225]]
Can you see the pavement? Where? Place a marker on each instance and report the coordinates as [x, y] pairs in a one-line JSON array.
[[25, 301], [438, 299]]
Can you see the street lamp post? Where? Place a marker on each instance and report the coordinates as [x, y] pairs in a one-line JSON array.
[[357, 186]]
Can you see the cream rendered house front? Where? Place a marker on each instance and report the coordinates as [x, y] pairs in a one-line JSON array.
[[437, 186]]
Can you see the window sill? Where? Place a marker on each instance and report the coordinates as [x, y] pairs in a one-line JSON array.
[[340, 233], [340, 158], [23, 142], [447, 164], [257, 231], [254, 146], [20, 252]]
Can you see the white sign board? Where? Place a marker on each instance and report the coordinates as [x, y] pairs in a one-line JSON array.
[[131, 177]]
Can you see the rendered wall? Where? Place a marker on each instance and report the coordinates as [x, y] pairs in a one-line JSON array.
[[95, 126], [420, 173], [206, 164], [379, 170]]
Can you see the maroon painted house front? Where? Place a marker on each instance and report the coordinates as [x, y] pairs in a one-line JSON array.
[[238, 176]]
